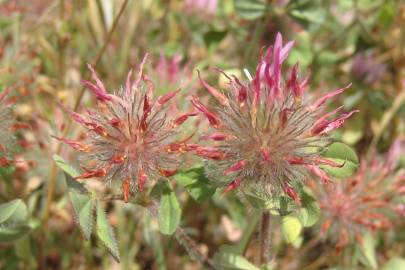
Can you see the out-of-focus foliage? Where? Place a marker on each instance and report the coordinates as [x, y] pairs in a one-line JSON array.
[[50, 220]]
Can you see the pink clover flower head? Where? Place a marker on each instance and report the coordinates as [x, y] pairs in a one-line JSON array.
[[370, 200], [131, 137], [266, 133]]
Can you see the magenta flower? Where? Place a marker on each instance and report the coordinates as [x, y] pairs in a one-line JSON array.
[[7, 140], [267, 133], [131, 136], [367, 201]]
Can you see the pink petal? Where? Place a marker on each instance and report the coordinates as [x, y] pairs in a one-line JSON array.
[[140, 72], [215, 137], [141, 180], [100, 93], [163, 99], [218, 95], [285, 50], [78, 118], [242, 91], [322, 122], [128, 85], [265, 154], [214, 121], [278, 44], [291, 193], [95, 78], [318, 172], [234, 184], [210, 153], [328, 162], [296, 160], [74, 144], [337, 123], [182, 118], [323, 99], [276, 70], [236, 167]]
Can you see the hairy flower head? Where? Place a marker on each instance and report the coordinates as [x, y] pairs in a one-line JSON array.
[[267, 132], [367, 201], [131, 137]]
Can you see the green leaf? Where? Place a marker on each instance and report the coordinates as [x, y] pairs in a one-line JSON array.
[[83, 206], [169, 212], [82, 201], [213, 38], [105, 233], [22, 248], [395, 263], [70, 174], [302, 53], [387, 13], [291, 228], [13, 212], [189, 177], [64, 166], [227, 260], [250, 9], [201, 192], [316, 15], [196, 183], [310, 211], [341, 154], [75, 186], [368, 250], [11, 233]]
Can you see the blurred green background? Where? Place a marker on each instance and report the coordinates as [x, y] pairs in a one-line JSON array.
[[44, 48]]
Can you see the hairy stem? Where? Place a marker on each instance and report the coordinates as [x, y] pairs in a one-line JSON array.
[[191, 247], [265, 245]]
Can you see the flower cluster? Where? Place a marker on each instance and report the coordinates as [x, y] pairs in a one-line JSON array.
[[367, 201], [130, 136], [7, 139], [267, 133]]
